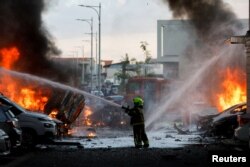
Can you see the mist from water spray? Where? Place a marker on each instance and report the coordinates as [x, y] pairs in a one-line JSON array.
[[182, 98], [177, 95], [30, 77]]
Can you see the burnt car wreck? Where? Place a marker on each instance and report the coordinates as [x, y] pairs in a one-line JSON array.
[[222, 124]]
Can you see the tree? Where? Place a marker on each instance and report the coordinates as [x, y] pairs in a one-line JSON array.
[[147, 55], [123, 74]]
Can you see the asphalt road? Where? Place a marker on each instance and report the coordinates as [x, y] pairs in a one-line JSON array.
[[73, 156]]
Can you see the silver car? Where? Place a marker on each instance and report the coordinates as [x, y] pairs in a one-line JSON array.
[[5, 144]]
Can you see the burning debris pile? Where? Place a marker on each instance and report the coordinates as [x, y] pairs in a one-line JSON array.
[[216, 70]]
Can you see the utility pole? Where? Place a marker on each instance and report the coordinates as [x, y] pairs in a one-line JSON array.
[[90, 22], [98, 12]]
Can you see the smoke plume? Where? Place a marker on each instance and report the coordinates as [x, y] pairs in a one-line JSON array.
[[22, 27], [213, 19]]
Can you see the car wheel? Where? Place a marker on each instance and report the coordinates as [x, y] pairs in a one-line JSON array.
[[29, 138]]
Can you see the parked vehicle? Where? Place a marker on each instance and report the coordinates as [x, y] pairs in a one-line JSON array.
[[114, 89], [222, 124], [9, 123], [118, 99], [97, 93], [5, 144], [36, 127]]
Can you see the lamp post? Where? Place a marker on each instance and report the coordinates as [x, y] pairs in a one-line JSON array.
[[96, 50], [99, 19], [96, 47], [90, 22]]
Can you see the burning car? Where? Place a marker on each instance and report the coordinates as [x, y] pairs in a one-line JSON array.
[[222, 124]]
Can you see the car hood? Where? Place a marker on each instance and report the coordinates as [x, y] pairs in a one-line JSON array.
[[38, 115]]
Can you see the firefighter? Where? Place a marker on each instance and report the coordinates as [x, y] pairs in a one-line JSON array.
[[137, 121]]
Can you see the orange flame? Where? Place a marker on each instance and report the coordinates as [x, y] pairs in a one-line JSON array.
[[53, 113], [233, 89], [91, 135], [25, 95], [9, 57], [30, 100], [87, 113]]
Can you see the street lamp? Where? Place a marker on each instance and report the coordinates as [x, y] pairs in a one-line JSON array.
[[96, 51], [90, 22], [99, 19]]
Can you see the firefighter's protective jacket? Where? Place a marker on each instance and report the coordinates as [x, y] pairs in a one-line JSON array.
[[136, 115]]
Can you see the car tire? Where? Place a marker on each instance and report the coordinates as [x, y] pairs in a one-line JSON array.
[[29, 138]]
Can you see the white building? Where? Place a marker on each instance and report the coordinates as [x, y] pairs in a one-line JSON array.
[[173, 39]]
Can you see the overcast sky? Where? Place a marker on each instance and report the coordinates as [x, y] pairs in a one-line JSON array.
[[125, 23]]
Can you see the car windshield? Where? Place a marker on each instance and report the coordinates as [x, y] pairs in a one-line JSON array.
[[16, 109], [10, 114], [2, 116]]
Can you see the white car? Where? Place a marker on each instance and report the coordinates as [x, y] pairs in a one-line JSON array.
[[5, 145], [36, 127]]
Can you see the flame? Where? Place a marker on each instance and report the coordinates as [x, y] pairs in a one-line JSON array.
[[233, 89], [53, 113], [8, 57], [91, 135], [23, 93], [72, 131], [87, 113], [30, 101]]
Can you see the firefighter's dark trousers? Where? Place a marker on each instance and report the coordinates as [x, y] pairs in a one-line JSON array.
[[140, 136]]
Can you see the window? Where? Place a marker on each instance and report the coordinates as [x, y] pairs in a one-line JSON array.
[[2, 116], [10, 114]]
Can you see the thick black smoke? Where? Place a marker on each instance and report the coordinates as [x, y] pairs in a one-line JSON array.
[[213, 19], [22, 27]]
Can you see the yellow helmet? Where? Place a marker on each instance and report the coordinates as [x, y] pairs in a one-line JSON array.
[[138, 101]]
